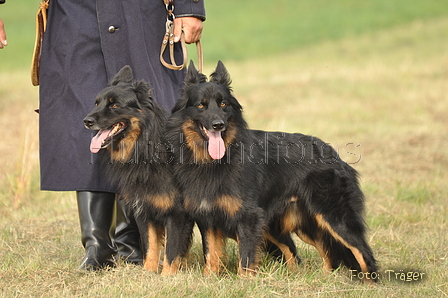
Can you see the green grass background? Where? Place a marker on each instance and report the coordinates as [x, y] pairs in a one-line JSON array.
[[369, 77], [238, 30]]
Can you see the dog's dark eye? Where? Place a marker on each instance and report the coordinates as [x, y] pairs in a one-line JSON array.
[[113, 106], [201, 106], [223, 104]]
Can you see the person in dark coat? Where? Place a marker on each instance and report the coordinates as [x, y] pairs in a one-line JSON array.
[[86, 43]]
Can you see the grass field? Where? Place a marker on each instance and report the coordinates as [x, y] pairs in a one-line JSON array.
[[377, 91]]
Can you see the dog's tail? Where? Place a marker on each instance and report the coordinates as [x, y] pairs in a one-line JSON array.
[[336, 210], [359, 258]]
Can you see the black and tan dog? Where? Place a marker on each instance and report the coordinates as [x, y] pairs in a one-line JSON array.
[[249, 185], [130, 126]]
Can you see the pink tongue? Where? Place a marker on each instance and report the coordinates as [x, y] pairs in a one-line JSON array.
[[97, 141], [216, 147]]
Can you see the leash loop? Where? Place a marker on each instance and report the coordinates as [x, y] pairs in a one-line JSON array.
[[168, 42]]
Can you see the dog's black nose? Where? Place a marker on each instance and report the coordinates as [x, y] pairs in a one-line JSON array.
[[89, 122], [218, 125]]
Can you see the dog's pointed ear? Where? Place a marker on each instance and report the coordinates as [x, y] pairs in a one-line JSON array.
[[144, 95], [194, 76], [192, 67], [221, 75], [124, 75]]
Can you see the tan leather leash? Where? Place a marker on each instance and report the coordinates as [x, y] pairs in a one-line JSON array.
[[168, 41], [41, 26]]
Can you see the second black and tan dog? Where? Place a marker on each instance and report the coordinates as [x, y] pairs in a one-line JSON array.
[[252, 185]]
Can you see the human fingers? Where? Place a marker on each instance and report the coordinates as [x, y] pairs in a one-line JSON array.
[[191, 26]]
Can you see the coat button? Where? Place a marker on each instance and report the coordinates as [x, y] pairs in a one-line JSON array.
[[111, 29]]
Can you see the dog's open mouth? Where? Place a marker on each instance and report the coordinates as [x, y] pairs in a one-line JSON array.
[[216, 146], [104, 137]]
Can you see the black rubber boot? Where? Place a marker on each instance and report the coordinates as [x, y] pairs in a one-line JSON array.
[[97, 219], [127, 236]]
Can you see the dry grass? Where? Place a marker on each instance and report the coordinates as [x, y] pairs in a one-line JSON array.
[[383, 94]]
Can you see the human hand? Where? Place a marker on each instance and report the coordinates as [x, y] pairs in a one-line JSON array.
[[3, 41], [191, 26]]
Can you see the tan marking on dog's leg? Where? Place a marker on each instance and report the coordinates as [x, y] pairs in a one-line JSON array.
[[215, 244], [249, 269], [356, 253], [289, 256], [326, 262], [171, 269], [151, 262], [290, 221]]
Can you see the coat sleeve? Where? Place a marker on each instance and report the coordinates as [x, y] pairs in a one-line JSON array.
[[189, 8]]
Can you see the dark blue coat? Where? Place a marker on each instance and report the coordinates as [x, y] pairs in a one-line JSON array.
[[81, 53]]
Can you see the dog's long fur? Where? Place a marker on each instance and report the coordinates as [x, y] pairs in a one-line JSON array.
[[264, 185], [140, 165]]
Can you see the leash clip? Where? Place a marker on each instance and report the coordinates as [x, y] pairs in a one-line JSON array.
[[168, 41], [169, 5]]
